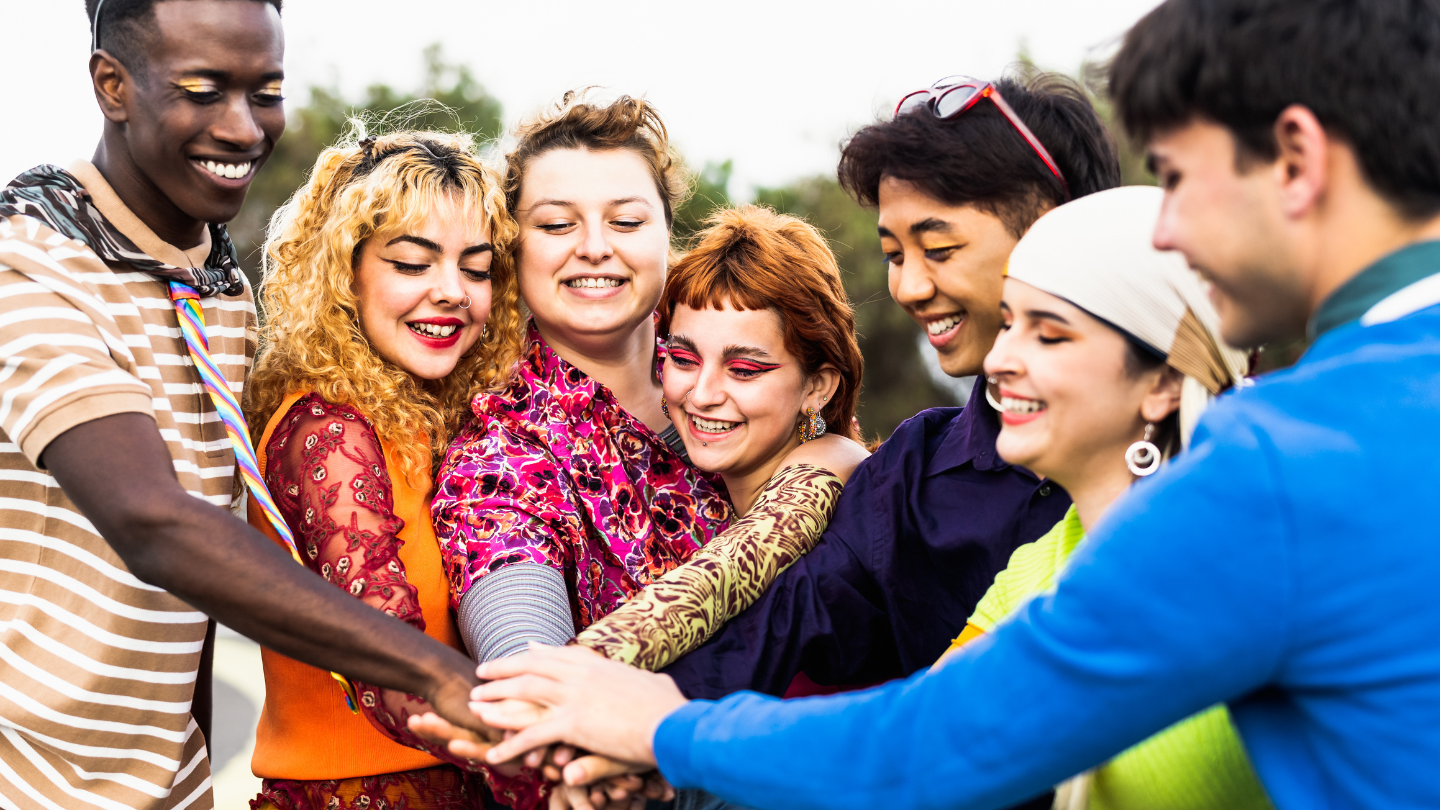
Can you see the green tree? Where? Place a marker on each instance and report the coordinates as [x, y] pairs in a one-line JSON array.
[[463, 105]]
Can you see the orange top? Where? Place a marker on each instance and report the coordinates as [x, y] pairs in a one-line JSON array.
[[306, 731]]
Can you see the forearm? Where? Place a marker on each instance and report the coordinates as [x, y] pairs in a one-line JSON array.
[[680, 611], [225, 568], [119, 474]]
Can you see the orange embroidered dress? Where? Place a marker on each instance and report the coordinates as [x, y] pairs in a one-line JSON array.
[[367, 530]]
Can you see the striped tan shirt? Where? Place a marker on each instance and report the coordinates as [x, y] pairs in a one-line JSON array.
[[97, 669]]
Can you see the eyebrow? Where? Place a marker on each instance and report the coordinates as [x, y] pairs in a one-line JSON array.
[[417, 240], [683, 342], [742, 351], [225, 76], [483, 247], [1047, 315], [930, 225]]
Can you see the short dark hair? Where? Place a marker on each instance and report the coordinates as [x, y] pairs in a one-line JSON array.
[[1367, 69], [977, 158], [127, 28]]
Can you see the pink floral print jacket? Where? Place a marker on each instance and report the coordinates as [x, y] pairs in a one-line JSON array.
[[554, 471]]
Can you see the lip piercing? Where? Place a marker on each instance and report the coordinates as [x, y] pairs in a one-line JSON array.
[[466, 303]]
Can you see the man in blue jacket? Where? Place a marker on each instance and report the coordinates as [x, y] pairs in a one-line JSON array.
[[1285, 565]]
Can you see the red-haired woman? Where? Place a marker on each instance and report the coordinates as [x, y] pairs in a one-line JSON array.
[[760, 357]]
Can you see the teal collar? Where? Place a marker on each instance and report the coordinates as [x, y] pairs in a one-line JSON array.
[[1374, 284]]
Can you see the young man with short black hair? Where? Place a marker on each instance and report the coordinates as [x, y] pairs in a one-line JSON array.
[[116, 470], [1284, 565], [926, 523]]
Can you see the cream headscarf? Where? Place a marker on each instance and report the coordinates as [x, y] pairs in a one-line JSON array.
[[1096, 253]]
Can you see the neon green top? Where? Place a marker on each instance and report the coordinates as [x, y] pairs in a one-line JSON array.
[[1196, 764]]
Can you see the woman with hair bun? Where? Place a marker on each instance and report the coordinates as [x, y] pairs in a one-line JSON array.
[[391, 302], [571, 491]]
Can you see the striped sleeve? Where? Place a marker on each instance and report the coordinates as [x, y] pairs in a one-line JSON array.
[[63, 360]]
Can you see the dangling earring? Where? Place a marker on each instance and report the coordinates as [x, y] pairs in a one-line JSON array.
[[664, 408], [1143, 457], [989, 397], [812, 425]]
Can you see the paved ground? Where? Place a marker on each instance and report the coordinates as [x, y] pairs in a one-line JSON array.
[[239, 693]]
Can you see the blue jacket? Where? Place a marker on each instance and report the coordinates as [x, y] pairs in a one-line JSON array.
[[1288, 565]]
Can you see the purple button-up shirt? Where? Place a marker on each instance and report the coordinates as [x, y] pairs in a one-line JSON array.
[[923, 527]]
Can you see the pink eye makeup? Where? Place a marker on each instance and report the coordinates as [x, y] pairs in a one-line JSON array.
[[750, 368], [682, 357]]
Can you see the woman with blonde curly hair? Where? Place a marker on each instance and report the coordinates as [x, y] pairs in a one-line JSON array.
[[391, 302]]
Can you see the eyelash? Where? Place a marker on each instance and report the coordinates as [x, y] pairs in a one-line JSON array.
[[212, 96]]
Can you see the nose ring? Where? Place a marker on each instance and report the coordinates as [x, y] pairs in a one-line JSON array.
[[466, 303]]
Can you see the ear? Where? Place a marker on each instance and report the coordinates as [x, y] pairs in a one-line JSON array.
[[820, 388], [1303, 160], [1163, 398], [113, 86]]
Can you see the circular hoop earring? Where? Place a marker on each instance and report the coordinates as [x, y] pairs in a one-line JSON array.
[[466, 303], [812, 426], [989, 397], [1143, 457]]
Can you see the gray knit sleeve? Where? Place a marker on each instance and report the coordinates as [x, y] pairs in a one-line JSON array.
[[507, 609]]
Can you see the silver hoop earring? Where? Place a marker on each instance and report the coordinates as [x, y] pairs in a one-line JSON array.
[[1143, 457], [989, 397], [466, 303]]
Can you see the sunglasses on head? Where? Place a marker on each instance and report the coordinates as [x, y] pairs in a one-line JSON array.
[[954, 95]]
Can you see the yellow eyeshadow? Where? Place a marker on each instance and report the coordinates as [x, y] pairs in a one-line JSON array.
[[273, 88], [196, 86]]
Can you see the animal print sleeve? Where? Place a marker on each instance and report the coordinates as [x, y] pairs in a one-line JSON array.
[[682, 609]]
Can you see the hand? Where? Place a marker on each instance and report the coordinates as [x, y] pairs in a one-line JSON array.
[[579, 698], [462, 742], [595, 782]]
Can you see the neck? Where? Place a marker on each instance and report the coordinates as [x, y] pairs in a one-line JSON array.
[[745, 487], [622, 363], [1357, 228], [144, 198], [1094, 490]]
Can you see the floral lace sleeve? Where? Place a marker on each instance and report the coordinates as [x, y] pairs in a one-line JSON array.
[[327, 472], [682, 609]]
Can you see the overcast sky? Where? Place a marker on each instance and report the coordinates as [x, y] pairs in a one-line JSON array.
[[772, 85]]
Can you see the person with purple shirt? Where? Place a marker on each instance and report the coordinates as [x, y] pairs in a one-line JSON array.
[[925, 523]]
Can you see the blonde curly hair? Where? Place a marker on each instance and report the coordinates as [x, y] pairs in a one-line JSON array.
[[311, 339]]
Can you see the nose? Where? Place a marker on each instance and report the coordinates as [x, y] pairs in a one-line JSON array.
[[1003, 361], [709, 390], [594, 244], [1164, 236], [910, 282], [236, 125], [447, 289]]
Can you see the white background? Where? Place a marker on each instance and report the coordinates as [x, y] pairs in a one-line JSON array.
[[773, 85]]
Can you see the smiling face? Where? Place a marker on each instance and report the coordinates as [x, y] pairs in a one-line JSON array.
[[594, 245], [734, 392], [411, 284], [947, 264], [1226, 222], [203, 113], [1070, 405]]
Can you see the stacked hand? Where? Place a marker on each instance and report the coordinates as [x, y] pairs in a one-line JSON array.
[[574, 697]]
